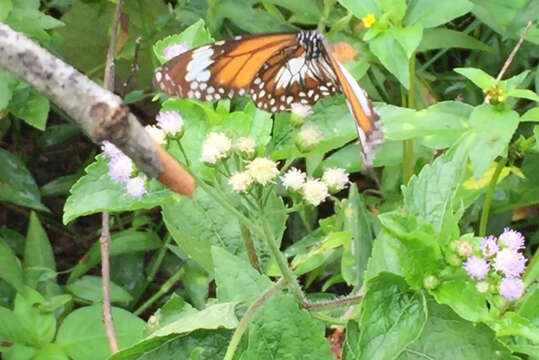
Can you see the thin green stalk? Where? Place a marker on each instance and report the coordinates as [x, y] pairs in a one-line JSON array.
[[167, 285], [286, 165], [488, 197], [156, 264], [244, 322], [332, 304], [377, 86], [328, 5], [281, 260], [187, 162], [408, 149]]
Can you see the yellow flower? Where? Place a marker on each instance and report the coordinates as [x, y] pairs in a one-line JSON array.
[[369, 20]]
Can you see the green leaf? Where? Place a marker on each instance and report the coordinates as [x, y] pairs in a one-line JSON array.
[[11, 328], [491, 132], [19, 352], [523, 94], [213, 317], [211, 344], [408, 37], [443, 38], [393, 316], [6, 93], [351, 349], [194, 36], [196, 282], [30, 106], [82, 334], [5, 8], [198, 223], [514, 81], [90, 288], [50, 352], [361, 8], [32, 22], [448, 336], [429, 195], [10, 267], [122, 242], [59, 186], [39, 326], [320, 253], [432, 13], [438, 126], [14, 239], [508, 18], [392, 55], [250, 19], [356, 251], [17, 184], [299, 337], [330, 115], [477, 76], [38, 251], [235, 278], [419, 254], [346, 157], [394, 10], [463, 298], [57, 134], [385, 254], [96, 192], [173, 313]]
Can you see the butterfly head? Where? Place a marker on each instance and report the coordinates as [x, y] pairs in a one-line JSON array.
[[313, 43]]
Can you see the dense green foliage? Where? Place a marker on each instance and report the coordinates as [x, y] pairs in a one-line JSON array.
[[185, 285]]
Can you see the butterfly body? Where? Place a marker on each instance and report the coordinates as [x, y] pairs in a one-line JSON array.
[[276, 71]]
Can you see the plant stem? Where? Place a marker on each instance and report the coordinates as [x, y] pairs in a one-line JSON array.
[[488, 197], [281, 260], [250, 246], [187, 162], [325, 305], [162, 291], [408, 150], [156, 264], [328, 5], [244, 322]]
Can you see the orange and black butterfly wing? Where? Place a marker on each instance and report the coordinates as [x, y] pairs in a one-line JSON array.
[[291, 76], [221, 70], [367, 120]]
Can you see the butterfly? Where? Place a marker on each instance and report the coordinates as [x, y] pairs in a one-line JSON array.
[[276, 71]]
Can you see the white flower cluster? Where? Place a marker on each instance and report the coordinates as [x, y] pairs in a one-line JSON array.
[[315, 191]]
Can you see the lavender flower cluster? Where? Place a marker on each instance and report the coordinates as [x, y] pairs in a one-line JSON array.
[[500, 257], [122, 169]]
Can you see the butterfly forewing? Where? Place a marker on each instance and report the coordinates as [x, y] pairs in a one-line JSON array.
[[221, 70]]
